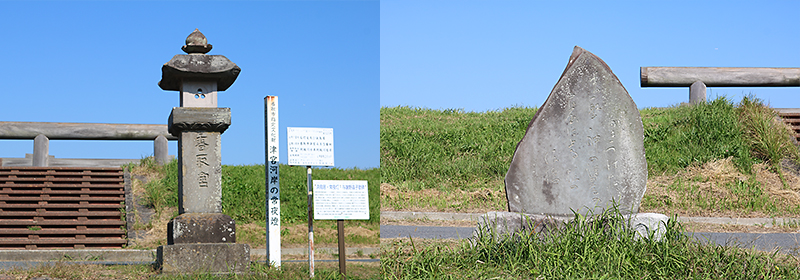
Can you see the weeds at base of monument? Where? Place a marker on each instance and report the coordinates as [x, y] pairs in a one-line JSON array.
[[610, 225]]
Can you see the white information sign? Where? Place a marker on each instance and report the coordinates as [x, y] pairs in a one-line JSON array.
[[341, 200], [273, 203], [310, 146]]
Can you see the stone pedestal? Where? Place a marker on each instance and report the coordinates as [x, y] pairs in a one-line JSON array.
[[214, 258], [201, 239], [201, 228]]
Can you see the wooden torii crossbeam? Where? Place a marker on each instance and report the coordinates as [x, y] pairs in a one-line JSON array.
[[43, 132], [698, 78], [720, 76]]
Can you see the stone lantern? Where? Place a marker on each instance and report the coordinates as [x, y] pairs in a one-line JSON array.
[[201, 238]]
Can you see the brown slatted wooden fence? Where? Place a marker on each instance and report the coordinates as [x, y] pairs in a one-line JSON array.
[[61, 207], [793, 120]]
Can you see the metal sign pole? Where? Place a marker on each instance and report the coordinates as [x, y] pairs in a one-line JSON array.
[[273, 202], [310, 224], [308, 147], [342, 251]]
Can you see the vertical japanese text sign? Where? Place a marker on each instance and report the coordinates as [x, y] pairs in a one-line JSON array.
[[272, 178]]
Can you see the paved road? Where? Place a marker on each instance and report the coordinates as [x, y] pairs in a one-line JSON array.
[[789, 243], [390, 231]]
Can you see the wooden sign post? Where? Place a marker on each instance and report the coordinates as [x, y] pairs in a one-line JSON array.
[[341, 200]]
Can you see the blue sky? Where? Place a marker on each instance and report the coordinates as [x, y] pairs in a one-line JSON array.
[[488, 55], [100, 62], [334, 63]]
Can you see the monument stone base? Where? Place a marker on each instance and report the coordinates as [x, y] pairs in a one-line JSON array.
[[501, 224], [214, 258], [201, 228]]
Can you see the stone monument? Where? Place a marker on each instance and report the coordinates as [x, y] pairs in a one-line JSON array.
[[584, 147], [583, 152], [201, 238]]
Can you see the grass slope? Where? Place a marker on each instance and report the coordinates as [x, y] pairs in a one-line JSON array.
[[678, 137], [447, 160], [243, 198], [450, 160]]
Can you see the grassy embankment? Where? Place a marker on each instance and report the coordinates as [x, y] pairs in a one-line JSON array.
[[243, 198], [710, 159]]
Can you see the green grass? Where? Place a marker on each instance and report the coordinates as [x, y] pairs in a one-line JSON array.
[[427, 148], [745, 196], [458, 158], [582, 249], [162, 193], [243, 190], [768, 138], [748, 132], [678, 137]]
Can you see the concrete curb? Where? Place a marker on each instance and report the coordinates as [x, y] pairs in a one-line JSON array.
[[473, 217], [433, 216], [139, 256], [765, 222], [115, 255], [366, 251]]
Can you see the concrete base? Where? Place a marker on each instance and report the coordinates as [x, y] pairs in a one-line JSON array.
[[648, 225], [501, 224], [215, 258]]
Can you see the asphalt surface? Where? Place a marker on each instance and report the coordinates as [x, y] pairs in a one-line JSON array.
[[391, 231], [787, 243]]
